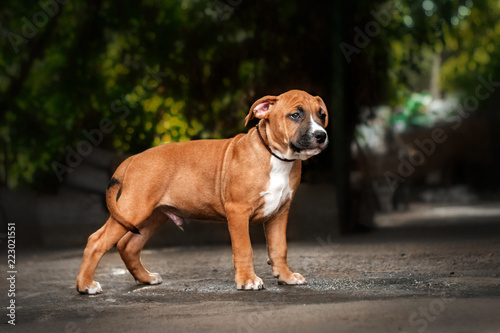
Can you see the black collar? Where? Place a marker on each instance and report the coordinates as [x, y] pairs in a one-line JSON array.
[[269, 149]]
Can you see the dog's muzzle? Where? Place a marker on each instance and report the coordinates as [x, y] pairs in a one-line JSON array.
[[315, 141]]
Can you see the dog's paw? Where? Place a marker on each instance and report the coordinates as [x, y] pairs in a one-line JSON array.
[[292, 279], [90, 289], [252, 283], [153, 278]]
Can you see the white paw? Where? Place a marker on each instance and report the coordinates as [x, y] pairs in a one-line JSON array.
[[251, 284], [93, 288], [293, 279], [156, 278]]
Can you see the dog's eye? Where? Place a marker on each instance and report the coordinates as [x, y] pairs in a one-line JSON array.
[[322, 116], [295, 116]]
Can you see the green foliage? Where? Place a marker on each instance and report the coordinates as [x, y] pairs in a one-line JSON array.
[[465, 33], [160, 71], [174, 70], [413, 113], [148, 66]]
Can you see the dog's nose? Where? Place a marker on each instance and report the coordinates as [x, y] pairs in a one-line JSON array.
[[320, 136]]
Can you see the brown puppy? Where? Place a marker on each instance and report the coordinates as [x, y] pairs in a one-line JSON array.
[[250, 178]]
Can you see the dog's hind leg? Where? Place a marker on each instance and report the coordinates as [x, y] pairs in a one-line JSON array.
[[130, 247], [98, 244]]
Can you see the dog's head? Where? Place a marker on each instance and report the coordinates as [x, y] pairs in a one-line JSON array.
[[295, 123]]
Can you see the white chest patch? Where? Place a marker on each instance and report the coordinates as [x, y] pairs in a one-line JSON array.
[[278, 190]]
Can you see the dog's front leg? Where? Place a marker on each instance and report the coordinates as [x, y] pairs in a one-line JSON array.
[[275, 231], [238, 222]]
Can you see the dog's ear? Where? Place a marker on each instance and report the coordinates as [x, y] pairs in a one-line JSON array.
[[260, 109], [323, 107]]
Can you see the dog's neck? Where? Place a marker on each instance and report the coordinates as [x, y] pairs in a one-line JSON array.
[[269, 149]]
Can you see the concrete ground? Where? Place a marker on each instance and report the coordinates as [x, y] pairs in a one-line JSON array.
[[433, 269]]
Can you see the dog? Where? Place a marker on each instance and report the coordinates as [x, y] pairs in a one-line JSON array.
[[248, 179]]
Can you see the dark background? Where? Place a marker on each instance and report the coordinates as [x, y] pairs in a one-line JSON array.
[[84, 84]]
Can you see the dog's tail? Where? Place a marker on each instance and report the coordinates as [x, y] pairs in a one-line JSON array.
[[113, 194]]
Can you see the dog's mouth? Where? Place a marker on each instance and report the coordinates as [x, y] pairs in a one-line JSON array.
[[313, 148], [307, 145]]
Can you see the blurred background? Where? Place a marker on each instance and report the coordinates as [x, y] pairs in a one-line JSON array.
[[412, 88]]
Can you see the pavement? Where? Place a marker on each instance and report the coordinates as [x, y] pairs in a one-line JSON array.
[[431, 269]]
